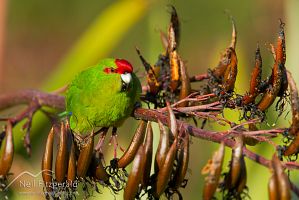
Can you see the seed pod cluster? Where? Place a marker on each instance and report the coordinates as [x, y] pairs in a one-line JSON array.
[[73, 163], [168, 79]]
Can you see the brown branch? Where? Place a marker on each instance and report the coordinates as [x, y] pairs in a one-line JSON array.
[[58, 102], [199, 77]]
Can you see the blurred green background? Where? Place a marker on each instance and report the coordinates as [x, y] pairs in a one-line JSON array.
[[47, 42]]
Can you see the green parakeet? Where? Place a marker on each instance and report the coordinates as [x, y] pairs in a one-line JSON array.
[[103, 95]]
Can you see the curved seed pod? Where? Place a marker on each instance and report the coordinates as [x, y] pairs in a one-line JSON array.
[[61, 156], [214, 168], [172, 121], [256, 78], [294, 104], [293, 148], [185, 83], [100, 172], [148, 150], [47, 161], [273, 188], [8, 151], [165, 172], [163, 147], [234, 35], [283, 183], [85, 157], [272, 92], [135, 175], [152, 74], [131, 151], [281, 59], [173, 59], [71, 170], [236, 178], [231, 72], [183, 161]]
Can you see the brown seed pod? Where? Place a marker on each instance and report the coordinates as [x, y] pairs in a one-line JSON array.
[[282, 180], [293, 148], [47, 161], [281, 59], [273, 188], [294, 105], [85, 157], [272, 91], [256, 78], [174, 20], [163, 147], [213, 167], [62, 155], [100, 172], [185, 83], [237, 176], [173, 58], [165, 172], [172, 121], [231, 72], [135, 175], [136, 141], [182, 163], [148, 150], [234, 35], [7, 152], [71, 170], [152, 74]]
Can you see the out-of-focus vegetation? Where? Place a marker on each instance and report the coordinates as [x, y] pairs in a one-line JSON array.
[[47, 42]]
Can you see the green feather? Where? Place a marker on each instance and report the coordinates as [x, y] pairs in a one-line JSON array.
[[95, 99]]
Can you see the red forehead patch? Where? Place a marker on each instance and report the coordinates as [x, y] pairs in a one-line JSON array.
[[123, 66]]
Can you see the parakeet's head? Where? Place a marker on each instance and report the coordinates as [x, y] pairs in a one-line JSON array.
[[124, 68]]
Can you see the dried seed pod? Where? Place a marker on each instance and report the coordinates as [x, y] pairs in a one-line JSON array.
[[135, 175], [185, 83], [237, 176], [272, 91], [7, 152], [152, 74], [71, 170], [294, 105], [163, 147], [273, 188], [174, 20], [213, 167], [165, 172], [131, 151], [62, 155], [230, 74], [148, 150], [100, 172], [281, 59], [182, 163], [173, 58], [47, 161], [256, 78], [282, 180], [85, 157], [225, 58], [293, 148], [172, 121]]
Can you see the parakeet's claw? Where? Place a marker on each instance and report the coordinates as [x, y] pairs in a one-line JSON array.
[[103, 131]]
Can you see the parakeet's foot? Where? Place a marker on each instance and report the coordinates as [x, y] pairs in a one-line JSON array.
[[103, 131]]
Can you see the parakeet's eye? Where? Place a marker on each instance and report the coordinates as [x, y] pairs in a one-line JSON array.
[[109, 70]]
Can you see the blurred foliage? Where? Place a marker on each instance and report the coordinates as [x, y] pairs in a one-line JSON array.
[[72, 35]]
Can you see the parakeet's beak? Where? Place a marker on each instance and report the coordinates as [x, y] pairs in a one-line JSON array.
[[126, 80]]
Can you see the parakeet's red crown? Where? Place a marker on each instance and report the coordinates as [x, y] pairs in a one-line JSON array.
[[123, 66]]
